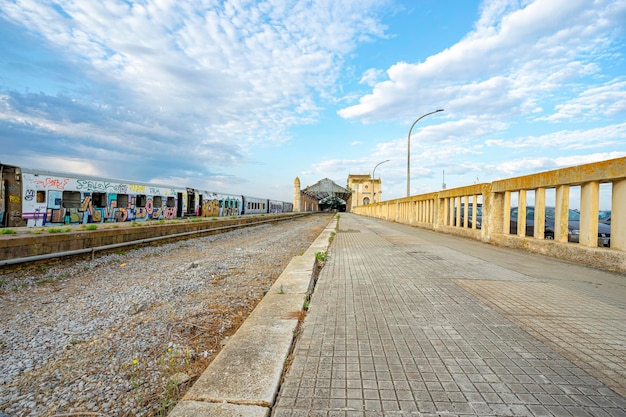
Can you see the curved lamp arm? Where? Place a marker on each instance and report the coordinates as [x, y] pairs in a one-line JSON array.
[[408, 160]]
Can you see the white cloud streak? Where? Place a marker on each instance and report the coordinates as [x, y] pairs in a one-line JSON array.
[[517, 55], [230, 69]]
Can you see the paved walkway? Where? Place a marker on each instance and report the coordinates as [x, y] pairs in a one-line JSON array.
[[408, 322]]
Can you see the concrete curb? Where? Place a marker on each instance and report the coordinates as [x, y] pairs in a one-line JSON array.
[[244, 377]]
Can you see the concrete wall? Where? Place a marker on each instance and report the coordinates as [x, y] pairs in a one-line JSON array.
[[27, 243]]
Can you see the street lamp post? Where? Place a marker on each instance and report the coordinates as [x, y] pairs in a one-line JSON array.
[[408, 161], [374, 172]]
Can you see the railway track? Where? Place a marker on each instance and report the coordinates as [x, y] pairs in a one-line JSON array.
[[53, 245], [127, 333]]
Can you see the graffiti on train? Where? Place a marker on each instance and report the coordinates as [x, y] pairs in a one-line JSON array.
[[218, 208], [86, 212], [37, 198], [57, 183], [101, 186]]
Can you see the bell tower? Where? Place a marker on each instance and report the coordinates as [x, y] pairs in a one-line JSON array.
[[296, 194]]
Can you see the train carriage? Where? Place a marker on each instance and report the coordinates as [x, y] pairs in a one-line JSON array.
[[254, 205], [50, 198], [212, 204], [30, 197], [276, 206]]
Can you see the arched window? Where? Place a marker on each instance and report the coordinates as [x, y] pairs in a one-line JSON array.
[[366, 200]]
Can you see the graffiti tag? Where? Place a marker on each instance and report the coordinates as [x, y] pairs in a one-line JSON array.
[[90, 185], [137, 188], [30, 194], [53, 183]]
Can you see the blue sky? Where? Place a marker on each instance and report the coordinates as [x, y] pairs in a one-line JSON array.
[[244, 96]]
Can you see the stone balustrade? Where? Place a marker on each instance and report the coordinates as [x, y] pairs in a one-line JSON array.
[[452, 211]]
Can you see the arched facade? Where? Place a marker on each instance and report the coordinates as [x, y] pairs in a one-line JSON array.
[[310, 198], [365, 189]]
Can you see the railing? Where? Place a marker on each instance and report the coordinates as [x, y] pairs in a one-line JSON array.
[[458, 211]]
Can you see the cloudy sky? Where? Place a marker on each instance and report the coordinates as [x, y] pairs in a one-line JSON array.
[[245, 95]]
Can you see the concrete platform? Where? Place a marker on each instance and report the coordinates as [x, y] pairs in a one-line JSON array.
[[409, 322], [244, 377]]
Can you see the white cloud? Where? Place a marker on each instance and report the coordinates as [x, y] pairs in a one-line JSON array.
[[607, 99], [516, 57], [567, 140], [228, 69], [531, 165], [371, 76]]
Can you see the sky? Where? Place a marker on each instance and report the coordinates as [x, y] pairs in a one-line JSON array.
[[244, 96]]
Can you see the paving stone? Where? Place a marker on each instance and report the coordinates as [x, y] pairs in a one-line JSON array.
[[405, 321]]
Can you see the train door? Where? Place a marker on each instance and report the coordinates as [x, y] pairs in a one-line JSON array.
[[191, 201], [3, 201], [179, 207], [11, 197], [200, 205]]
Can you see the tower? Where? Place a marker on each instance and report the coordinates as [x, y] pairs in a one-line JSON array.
[[296, 194]]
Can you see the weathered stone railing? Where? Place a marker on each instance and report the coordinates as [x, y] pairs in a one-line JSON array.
[[451, 211]]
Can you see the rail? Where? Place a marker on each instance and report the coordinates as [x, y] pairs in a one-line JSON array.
[[507, 210], [93, 250]]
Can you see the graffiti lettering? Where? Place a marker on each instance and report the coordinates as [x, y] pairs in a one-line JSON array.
[[90, 185], [121, 215], [149, 206], [29, 195], [97, 215], [137, 188], [141, 213], [14, 199], [86, 204], [169, 213], [53, 183], [210, 208]]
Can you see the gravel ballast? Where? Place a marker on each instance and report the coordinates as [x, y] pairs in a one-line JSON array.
[[127, 333]]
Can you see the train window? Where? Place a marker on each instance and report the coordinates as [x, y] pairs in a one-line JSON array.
[[71, 199], [99, 200], [157, 201], [140, 200], [171, 202], [41, 196], [220, 204], [122, 200]]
